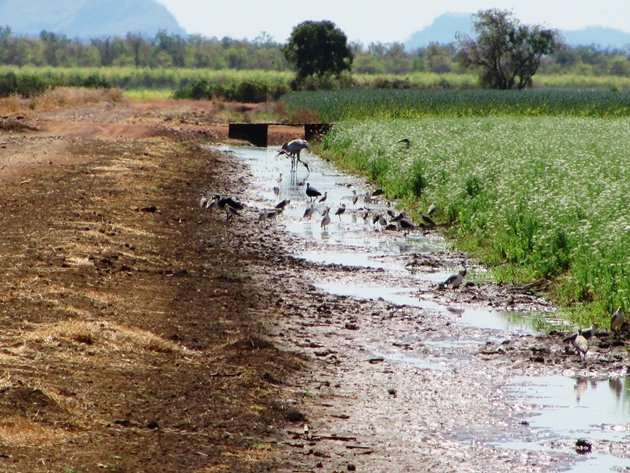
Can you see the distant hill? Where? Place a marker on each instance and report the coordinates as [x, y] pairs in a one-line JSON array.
[[87, 18], [444, 27]]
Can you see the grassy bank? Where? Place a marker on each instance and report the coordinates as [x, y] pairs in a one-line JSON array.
[[538, 197]]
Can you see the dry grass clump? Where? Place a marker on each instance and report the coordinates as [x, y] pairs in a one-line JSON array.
[[71, 96], [103, 336], [59, 97]]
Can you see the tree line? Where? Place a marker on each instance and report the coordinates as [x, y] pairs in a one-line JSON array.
[[196, 51]]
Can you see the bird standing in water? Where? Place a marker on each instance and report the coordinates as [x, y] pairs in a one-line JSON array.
[[340, 210], [326, 217], [312, 192]]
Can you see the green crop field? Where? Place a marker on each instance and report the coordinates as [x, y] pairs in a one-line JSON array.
[[382, 103], [534, 197]]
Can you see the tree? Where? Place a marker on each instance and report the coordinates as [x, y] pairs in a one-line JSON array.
[[507, 52], [318, 48]]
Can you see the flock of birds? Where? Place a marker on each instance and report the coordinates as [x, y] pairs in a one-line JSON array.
[[580, 339], [387, 220]]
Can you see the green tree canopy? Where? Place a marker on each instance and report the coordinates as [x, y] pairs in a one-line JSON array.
[[507, 52], [318, 48]]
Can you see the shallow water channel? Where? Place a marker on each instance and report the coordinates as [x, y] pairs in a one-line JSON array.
[[563, 408]]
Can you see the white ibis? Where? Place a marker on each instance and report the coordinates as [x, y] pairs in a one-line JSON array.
[[312, 192], [581, 345]]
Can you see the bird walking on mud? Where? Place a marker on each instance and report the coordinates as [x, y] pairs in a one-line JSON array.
[[581, 345], [454, 280], [355, 197], [616, 320], [312, 192], [324, 197], [588, 333]]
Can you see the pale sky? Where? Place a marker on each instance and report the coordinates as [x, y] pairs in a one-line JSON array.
[[383, 21]]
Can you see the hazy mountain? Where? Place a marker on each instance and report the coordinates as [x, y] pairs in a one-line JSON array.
[[87, 18], [444, 27]]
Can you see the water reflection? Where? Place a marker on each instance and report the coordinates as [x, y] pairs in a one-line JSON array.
[[579, 406]]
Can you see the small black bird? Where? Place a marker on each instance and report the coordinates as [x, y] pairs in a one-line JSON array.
[[407, 141]]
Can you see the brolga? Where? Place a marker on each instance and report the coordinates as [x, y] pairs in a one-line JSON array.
[[340, 210], [454, 280], [324, 197], [312, 192], [292, 149]]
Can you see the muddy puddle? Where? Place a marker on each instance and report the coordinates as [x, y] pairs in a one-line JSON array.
[[560, 409]]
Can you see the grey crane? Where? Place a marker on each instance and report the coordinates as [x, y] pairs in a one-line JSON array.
[[292, 149]]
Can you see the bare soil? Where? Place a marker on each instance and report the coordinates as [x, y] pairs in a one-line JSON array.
[[141, 334]]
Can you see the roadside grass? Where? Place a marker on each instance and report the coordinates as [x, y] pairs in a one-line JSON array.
[[533, 197]]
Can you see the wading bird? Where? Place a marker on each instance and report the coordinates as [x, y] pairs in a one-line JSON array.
[[355, 197], [454, 280], [617, 319], [581, 345], [283, 203], [588, 333], [308, 212], [312, 192], [431, 209], [340, 210], [324, 197], [292, 149], [326, 217]]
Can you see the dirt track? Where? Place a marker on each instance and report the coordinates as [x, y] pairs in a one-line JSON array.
[[140, 334]]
